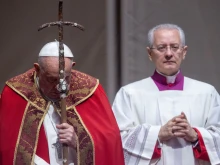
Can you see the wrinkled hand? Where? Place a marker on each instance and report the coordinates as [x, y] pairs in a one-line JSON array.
[[166, 131], [67, 134], [183, 129]]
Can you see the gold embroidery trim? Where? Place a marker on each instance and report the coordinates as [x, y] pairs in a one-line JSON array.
[[19, 134], [85, 98], [39, 108], [78, 155], [25, 97], [38, 132]]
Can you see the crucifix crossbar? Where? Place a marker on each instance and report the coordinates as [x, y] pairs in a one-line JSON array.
[[60, 23]]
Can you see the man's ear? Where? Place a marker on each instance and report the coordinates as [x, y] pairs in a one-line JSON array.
[[184, 52], [37, 68], [149, 53], [73, 64]]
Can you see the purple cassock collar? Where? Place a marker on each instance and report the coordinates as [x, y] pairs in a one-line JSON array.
[[161, 82]]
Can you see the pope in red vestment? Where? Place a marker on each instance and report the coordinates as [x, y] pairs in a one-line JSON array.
[[23, 109]]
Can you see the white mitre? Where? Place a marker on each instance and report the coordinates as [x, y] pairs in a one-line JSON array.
[[51, 49]]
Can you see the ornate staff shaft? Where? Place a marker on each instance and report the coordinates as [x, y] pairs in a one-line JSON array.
[[62, 84], [61, 49]]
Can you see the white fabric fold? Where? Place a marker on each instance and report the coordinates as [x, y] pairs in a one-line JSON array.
[[39, 161]]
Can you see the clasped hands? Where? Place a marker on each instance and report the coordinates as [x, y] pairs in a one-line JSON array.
[[67, 135], [178, 127]]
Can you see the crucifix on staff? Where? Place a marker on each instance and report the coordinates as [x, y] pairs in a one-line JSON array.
[[62, 150]]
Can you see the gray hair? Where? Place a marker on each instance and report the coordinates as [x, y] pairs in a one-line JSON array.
[[165, 26]]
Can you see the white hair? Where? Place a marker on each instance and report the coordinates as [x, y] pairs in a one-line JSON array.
[[165, 26]]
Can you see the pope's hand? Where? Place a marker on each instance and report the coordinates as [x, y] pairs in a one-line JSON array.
[[183, 129], [67, 134]]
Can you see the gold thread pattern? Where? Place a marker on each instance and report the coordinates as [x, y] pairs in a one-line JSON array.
[[19, 134], [81, 87], [38, 131], [24, 85], [85, 146], [28, 137]]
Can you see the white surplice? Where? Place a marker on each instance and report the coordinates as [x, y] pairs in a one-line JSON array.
[[51, 119], [141, 109]]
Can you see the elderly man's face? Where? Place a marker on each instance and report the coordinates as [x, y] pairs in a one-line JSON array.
[[167, 52], [48, 75]]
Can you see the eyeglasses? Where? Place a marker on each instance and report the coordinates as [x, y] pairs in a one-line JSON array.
[[164, 48]]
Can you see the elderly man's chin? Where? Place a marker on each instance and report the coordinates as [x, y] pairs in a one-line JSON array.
[[169, 70], [171, 66]]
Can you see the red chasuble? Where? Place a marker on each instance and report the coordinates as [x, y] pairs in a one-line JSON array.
[[22, 111]]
